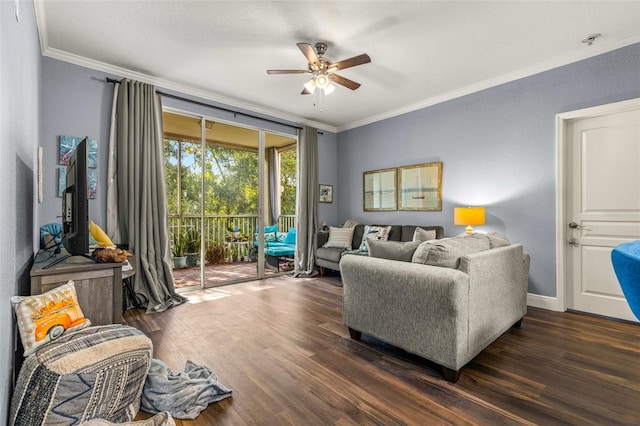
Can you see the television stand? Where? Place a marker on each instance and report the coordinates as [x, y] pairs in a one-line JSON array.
[[67, 256], [98, 285]]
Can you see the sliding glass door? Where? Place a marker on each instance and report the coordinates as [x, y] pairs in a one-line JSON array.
[[226, 184]]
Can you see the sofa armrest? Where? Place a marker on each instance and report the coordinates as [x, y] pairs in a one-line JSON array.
[[498, 280], [420, 308]]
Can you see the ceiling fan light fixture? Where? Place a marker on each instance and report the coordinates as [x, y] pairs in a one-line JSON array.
[[310, 85], [322, 81], [329, 89]]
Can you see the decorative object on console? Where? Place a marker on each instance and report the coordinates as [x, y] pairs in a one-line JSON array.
[[420, 187], [379, 190], [100, 236], [45, 317], [326, 193], [114, 255], [468, 216]]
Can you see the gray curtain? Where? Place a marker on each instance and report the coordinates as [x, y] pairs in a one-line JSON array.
[[274, 185], [138, 189], [307, 210]]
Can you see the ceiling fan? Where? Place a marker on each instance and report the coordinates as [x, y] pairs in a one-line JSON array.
[[322, 69]]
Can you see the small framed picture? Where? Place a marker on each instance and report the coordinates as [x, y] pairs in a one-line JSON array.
[[326, 193]]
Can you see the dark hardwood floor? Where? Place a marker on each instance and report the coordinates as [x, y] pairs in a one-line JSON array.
[[281, 346]]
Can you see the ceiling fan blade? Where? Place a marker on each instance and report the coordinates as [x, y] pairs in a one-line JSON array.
[[310, 54], [351, 62], [287, 71], [350, 84]]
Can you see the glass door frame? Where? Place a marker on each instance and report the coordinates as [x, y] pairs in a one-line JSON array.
[[262, 132]]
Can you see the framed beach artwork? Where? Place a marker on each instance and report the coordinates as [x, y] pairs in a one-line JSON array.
[[68, 145], [379, 190], [326, 193], [420, 187]]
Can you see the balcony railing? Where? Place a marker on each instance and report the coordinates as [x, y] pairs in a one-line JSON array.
[[215, 227]]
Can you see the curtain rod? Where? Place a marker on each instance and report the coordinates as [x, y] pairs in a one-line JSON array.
[[180, 98]]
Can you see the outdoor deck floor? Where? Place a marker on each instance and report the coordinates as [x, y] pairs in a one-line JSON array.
[[218, 274]]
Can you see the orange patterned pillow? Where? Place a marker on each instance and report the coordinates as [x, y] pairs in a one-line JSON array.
[[45, 317]]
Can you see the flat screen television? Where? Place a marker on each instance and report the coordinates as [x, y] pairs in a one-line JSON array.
[[75, 203]]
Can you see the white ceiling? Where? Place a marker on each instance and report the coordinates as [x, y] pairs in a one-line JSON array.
[[422, 52]]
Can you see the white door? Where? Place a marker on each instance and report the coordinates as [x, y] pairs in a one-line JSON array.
[[603, 208]]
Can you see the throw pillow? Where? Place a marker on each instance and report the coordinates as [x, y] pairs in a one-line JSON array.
[[270, 229], [281, 236], [291, 236], [373, 232], [350, 223], [269, 237], [45, 317], [496, 239], [423, 235], [448, 251], [339, 238], [394, 250]]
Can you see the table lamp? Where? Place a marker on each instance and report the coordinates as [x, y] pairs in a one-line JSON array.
[[468, 216]]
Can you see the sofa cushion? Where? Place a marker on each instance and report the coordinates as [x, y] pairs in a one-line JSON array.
[[393, 250], [448, 251], [329, 254], [423, 235], [375, 233], [339, 238]]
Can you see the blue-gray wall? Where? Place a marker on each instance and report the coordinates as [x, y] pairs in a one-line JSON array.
[[498, 150], [19, 138], [76, 101]]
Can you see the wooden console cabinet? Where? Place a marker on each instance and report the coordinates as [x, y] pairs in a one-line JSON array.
[[98, 285]]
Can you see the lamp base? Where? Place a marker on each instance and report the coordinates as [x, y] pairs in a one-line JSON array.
[[469, 230]]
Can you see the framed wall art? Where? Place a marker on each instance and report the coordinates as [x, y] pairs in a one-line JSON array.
[[379, 190], [68, 145], [326, 193], [420, 187]]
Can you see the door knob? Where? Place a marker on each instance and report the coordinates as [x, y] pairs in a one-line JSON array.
[[574, 225], [572, 241]]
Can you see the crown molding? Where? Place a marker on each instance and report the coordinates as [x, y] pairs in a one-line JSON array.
[[180, 87], [588, 52], [598, 48]]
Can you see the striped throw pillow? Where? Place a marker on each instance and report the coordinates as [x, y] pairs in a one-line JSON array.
[[339, 238]]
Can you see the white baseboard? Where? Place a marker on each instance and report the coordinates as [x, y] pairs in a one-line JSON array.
[[544, 302]]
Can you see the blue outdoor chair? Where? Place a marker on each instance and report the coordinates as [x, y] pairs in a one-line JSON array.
[[626, 263]]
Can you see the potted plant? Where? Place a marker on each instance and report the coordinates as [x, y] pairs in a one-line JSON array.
[[233, 232], [178, 250], [192, 246]]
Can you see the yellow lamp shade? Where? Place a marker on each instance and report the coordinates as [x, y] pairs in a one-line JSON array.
[[468, 216]]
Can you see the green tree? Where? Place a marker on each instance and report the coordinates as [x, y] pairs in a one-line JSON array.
[[288, 181], [230, 179]]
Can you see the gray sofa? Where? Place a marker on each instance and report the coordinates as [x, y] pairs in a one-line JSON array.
[[447, 313], [330, 257]]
